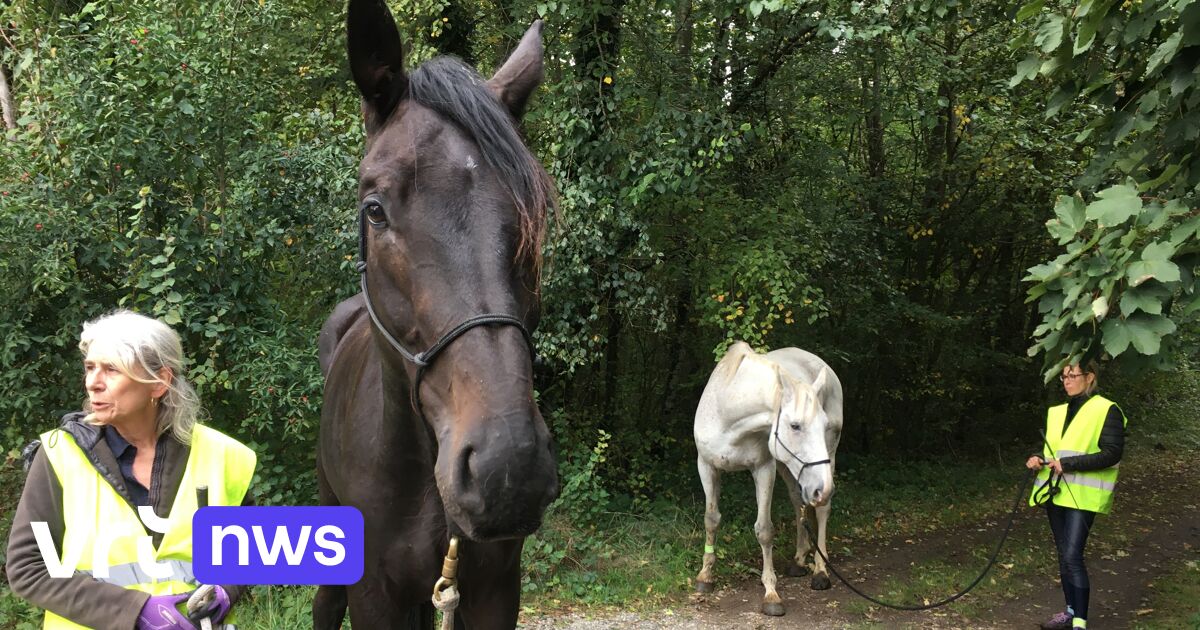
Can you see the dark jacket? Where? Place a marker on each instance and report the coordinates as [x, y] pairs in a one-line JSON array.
[[81, 598], [1111, 441]]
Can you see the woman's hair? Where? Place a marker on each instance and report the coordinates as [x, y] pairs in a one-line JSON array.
[[1093, 368], [140, 347]]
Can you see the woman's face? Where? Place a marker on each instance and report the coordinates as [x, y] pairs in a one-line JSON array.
[[114, 397], [1074, 381]]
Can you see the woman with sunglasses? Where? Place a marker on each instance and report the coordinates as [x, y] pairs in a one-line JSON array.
[[1077, 476]]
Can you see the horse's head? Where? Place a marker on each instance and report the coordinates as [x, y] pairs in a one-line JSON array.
[[798, 437], [454, 208]]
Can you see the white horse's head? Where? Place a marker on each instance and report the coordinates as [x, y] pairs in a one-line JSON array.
[[798, 437]]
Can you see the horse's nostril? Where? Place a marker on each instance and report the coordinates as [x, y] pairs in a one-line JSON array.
[[464, 467]]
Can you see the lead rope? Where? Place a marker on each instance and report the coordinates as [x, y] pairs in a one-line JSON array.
[[991, 561], [445, 592]]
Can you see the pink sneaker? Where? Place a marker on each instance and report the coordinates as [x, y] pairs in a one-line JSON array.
[[1060, 621]]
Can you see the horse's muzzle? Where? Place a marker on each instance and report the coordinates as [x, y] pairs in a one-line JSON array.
[[498, 477], [816, 487]]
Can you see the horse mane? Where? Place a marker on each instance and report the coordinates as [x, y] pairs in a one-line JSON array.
[[453, 89]]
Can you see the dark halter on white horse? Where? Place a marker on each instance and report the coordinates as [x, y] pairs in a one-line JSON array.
[[803, 464], [424, 359]]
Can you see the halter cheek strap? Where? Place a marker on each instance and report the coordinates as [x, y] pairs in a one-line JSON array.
[[423, 360], [803, 464]]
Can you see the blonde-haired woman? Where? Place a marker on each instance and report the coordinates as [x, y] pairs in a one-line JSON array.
[[1085, 438], [124, 469]]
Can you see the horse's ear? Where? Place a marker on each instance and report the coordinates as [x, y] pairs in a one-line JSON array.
[[376, 59], [516, 80], [819, 384]]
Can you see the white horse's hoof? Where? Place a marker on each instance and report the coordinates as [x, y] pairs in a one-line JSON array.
[[774, 609], [704, 587], [820, 582]]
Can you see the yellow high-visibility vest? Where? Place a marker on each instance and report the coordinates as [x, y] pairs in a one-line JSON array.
[[94, 513], [1090, 490]]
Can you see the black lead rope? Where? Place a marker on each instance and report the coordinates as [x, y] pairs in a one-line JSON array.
[[422, 360], [1049, 488], [991, 561]]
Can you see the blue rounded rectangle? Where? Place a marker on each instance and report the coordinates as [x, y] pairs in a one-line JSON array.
[[277, 545]]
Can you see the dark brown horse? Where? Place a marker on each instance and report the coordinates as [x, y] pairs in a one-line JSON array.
[[447, 441]]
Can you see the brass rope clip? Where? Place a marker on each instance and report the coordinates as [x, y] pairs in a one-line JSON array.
[[445, 591]]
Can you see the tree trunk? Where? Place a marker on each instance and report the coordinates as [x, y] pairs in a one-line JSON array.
[[612, 357], [684, 36], [876, 157], [7, 108], [599, 44], [717, 67], [674, 349]]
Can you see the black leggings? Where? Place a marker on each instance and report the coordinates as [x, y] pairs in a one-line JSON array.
[[1071, 527]]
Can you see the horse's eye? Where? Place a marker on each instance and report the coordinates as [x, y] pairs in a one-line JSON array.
[[795, 426], [375, 213]]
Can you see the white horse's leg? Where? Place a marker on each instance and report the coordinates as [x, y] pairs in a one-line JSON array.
[[820, 579], [710, 478], [797, 568], [764, 485]]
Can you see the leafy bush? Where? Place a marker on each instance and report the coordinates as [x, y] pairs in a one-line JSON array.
[[179, 161]]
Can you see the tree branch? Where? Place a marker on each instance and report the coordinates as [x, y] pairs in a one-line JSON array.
[[770, 64]]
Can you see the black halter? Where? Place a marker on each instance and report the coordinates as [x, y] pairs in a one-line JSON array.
[[803, 464], [424, 359]]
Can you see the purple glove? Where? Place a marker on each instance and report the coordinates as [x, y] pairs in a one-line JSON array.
[[209, 601], [160, 613]]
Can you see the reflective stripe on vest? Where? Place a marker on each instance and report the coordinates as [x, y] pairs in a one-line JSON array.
[[132, 574], [96, 516], [1090, 490]]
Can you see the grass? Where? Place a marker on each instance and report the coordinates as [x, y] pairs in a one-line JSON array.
[[637, 562], [277, 608], [1175, 602], [1175, 596]]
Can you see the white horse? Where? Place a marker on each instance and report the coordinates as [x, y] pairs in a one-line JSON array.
[[779, 411]]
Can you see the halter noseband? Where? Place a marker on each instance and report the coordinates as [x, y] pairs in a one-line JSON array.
[[803, 464], [424, 359]]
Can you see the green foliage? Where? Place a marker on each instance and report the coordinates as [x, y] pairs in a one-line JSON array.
[[15, 613], [165, 162], [582, 499], [1119, 252], [856, 179], [742, 158], [763, 288], [279, 608], [18, 614], [1138, 243]]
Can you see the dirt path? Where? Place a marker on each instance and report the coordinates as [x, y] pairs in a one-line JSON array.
[[1156, 525]]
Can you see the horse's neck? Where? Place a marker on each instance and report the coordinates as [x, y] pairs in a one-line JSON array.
[[407, 426], [739, 403], [752, 390]]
